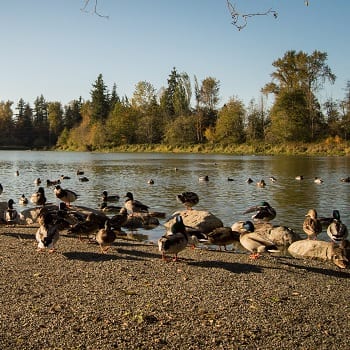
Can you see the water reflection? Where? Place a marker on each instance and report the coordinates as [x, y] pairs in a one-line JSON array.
[[122, 172]]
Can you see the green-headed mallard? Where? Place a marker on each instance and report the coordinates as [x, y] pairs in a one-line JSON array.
[[264, 212], [105, 237], [253, 241], [312, 225], [11, 214], [175, 241], [188, 199], [133, 205], [337, 231], [65, 195]]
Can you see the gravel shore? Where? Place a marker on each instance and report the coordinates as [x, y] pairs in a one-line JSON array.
[[78, 298]]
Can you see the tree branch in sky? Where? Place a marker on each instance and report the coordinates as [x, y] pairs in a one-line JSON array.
[[95, 11], [240, 20]]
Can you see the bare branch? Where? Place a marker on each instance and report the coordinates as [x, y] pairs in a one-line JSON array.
[[95, 11], [241, 20]]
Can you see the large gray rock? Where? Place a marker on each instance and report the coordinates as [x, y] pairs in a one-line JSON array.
[[320, 250], [201, 220]]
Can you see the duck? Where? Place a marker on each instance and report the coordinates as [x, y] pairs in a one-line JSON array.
[[261, 183], [203, 178], [273, 179], [80, 172], [38, 197], [337, 231], [345, 179], [150, 182], [105, 237], [83, 179], [230, 179], [52, 182], [264, 212], [47, 234], [109, 198], [37, 181], [249, 180], [16, 173], [299, 177], [109, 208], [65, 195], [88, 227], [188, 199], [11, 214], [174, 241], [312, 226], [23, 200], [118, 220], [133, 205], [318, 180], [252, 241], [222, 237], [65, 177]]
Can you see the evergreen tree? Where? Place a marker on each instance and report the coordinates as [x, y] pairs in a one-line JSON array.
[[99, 101]]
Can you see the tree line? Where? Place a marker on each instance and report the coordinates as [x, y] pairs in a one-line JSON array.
[[170, 117]]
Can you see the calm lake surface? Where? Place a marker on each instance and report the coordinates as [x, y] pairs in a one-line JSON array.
[[121, 172]]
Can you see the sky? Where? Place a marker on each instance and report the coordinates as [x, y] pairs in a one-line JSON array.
[[53, 48]]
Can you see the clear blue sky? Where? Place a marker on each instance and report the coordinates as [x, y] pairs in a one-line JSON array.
[[51, 47]]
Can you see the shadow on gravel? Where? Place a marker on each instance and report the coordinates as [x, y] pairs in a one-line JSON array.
[[19, 235], [327, 272], [139, 253], [88, 256], [231, 267]]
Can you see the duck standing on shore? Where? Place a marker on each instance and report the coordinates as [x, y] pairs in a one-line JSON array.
[[175, 241], [105, 237], [337, 231], [133, 205], [312, 225], [188, 199], [47, 234], [65, 195], [11, 214], [38, 198]]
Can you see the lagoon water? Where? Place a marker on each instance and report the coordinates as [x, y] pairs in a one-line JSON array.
[[119, 173]]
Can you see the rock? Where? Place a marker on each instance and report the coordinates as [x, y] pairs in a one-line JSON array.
[[281, 236], [141, 220], [201, 220], [320, 250]]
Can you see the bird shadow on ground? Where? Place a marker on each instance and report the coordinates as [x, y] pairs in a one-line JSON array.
[[322, 271], [138, 253], [19, 235], [90, 257], [231, 267]]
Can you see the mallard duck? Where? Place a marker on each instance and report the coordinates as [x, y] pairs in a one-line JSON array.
[[65, 195], [299, 177], [337, 231], [312, 225], [249, 180], [261, 183], [105, 237], [52, 182], [222, 236], [16, 173], [318, 180], [80, 172], [273, 179], [252, 241], [203, 178], [188, 199], [83, 179], [11, 214], [133, 205], [38, 198], [118, 220], [88, 227], [109, 198], [150, 182], [109, 208], [65, 177], [264, 212], [175, 241], [47, 234], [23, 200], [345, 179], [37, 181]]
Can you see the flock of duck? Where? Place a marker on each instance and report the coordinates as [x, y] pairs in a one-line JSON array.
[[85, 221]]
